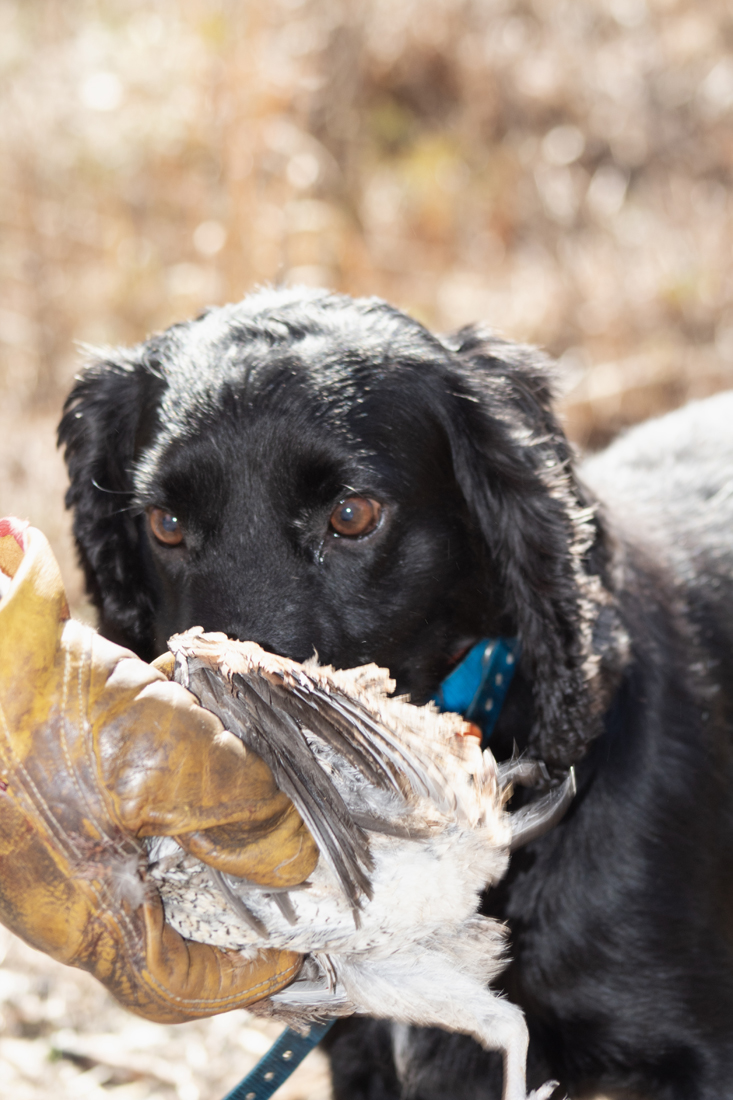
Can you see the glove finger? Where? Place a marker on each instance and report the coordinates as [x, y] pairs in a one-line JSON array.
[[284, 855], [166, 664], [187, 980]]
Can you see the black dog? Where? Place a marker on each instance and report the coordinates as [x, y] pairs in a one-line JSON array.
[[313, 472]]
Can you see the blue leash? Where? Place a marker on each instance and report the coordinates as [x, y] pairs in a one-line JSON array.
[[274, 1068], [476, 688]]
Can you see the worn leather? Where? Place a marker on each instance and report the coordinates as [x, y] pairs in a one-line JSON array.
[[98, 750]]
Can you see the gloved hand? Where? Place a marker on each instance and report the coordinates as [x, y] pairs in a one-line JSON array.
[[97, 751]]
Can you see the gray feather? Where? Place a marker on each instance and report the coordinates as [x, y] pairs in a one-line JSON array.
[[539, 817], [246, 708]]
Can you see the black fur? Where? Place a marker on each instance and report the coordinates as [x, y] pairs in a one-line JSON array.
[[251, 423]]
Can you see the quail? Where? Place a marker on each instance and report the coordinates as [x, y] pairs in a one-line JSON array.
[[409, 817]]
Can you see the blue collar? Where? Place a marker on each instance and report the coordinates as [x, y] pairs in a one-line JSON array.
[[477, 687]]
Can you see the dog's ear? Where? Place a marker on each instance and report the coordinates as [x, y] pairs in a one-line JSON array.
[[515, 469], [112, 406]]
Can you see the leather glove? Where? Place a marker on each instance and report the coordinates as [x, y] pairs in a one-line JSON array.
[[97, 751]]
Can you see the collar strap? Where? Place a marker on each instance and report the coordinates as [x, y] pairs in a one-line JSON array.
[[274, 1068], [477, 687]]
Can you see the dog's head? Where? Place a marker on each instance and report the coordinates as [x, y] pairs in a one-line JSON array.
[[312, 472]]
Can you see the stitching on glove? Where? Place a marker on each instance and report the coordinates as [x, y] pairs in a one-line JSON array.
[[52, 825], [284, 863], [83, 800], [81, 721], [252, 993]]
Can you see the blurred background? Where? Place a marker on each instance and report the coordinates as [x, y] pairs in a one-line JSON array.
[[558, 169]]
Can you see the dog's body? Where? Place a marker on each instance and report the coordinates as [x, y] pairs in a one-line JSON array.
[[255, 427]]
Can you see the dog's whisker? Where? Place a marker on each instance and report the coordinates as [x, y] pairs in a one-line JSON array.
[[116, 492]]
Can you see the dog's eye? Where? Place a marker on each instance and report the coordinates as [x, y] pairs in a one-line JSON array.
[[355, 516], [165, 527]]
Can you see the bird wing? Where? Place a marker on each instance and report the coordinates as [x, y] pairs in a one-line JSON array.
[[249, 707], [275, 705]]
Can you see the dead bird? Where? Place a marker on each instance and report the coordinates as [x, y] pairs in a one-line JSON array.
[[409, 817]]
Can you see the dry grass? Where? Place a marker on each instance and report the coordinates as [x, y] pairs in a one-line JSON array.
[[558, 169]]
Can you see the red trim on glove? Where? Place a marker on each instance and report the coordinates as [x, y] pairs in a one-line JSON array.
[[9, 525]]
